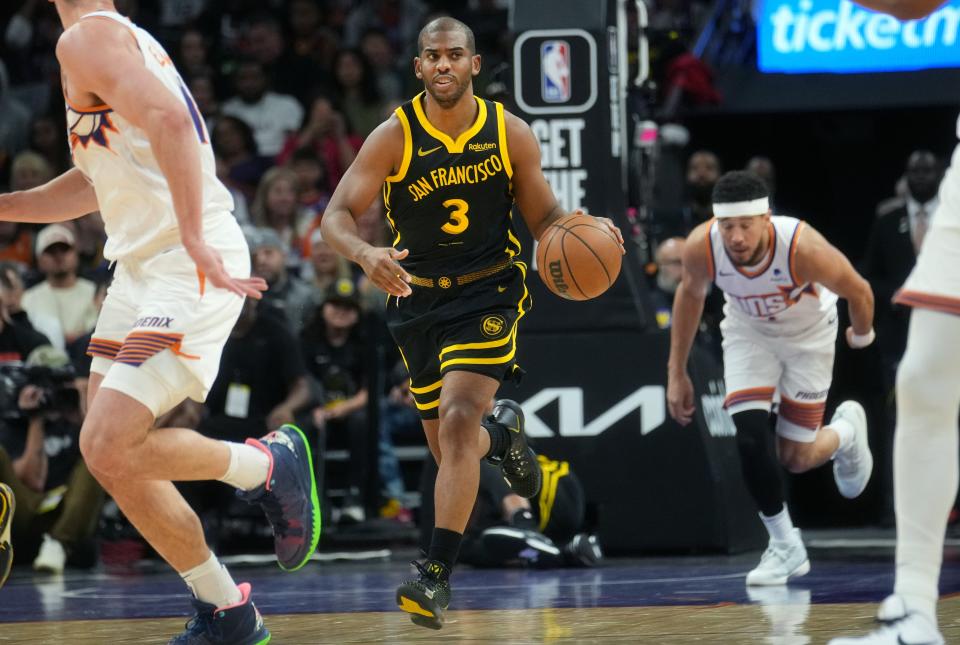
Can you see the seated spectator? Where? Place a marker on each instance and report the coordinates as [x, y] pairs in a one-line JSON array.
[[336, 353], [271, 116], [326, 133], [16, 243], [261, 383], [18, 337], [702, 172], [383, 61], [314, 193], [356, 88], [29, 170], [58, 500], [326, 265], [204, 94], [373, 229], [277, 207], [399, 420], [12, 290], [193, 55], [239, 163], [91, 238], [669, 261], [46, 138], [63, 294], [290, 72], [288, 294], [14, 124]]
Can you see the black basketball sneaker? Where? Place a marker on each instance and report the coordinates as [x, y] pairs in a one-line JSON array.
[[426, 599], [519, 465]]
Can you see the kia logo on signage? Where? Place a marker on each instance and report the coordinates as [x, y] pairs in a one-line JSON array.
[[801, 36]]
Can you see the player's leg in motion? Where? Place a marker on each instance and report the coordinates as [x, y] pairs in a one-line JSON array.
[[925, 477], [785, 557], [459, 439], [136, 464]]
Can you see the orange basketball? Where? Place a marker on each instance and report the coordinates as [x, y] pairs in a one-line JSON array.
[[578, 257]]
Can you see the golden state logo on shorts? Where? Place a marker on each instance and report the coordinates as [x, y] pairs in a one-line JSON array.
[[492, 326]]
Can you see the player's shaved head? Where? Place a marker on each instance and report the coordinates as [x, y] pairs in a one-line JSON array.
[[446, 23]]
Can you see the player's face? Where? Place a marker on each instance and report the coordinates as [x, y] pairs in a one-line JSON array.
[[745, 238], [446, 66]]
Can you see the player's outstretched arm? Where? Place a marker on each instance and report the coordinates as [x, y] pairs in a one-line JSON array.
[[67, 196], [102, 58], [902, 9], [687, 310], [381, 155], [819, 261], [536, 201]]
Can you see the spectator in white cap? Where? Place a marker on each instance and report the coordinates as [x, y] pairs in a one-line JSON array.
[[63, 294]]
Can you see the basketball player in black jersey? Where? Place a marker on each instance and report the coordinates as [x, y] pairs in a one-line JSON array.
[[451, 166]]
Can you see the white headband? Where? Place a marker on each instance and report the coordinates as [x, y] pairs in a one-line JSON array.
[[742, 209]]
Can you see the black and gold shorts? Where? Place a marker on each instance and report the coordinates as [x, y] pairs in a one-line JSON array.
[[471, 328]]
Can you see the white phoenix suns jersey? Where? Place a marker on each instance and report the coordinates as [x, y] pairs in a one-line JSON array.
[[116, 158], [769, 297], [949, 214]]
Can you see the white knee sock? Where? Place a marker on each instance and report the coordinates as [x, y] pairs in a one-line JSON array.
[[925, 468], [212, 583], [779, 526], [248, 466]]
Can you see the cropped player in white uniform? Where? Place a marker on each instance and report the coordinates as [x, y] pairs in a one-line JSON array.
[[143, 159], [781, 280], [925, 468]]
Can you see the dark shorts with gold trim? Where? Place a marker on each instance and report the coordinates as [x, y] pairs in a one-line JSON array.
[[471, 328]]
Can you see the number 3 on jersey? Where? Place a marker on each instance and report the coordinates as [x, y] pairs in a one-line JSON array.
[[458, 217]]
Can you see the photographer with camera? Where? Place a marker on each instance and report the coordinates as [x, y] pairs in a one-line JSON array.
[[58, 500]]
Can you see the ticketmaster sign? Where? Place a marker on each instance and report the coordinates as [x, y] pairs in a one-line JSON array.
[[802, 36]]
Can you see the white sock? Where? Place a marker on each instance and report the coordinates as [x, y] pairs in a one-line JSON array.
[[779, 526], [212, 583], [248, 466], [845, 434], [925, 469]]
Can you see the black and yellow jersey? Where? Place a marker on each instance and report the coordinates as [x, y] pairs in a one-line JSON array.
[[450, 201]]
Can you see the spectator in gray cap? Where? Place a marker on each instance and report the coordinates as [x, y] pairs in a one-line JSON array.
[[287, 293]]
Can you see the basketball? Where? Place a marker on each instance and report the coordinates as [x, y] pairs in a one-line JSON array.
[[578, 257]]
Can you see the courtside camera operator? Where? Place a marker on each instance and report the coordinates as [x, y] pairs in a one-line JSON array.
[[58, 501]]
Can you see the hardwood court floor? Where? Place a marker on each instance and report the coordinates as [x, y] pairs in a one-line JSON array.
[[658, 601]]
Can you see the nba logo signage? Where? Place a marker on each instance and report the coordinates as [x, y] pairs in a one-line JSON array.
[[555, 71]]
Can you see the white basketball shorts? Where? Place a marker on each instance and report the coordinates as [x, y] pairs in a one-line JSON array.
[[162, 328], [795, 370]]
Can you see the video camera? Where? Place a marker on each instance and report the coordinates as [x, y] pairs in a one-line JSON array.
[[56, 385]]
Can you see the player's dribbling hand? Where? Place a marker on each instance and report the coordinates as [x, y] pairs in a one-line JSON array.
[[381, 264], [610, 225], [210, 264], [680, 398]]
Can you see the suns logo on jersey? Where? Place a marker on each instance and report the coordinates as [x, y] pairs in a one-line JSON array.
[[770, 304], [87, 127]]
